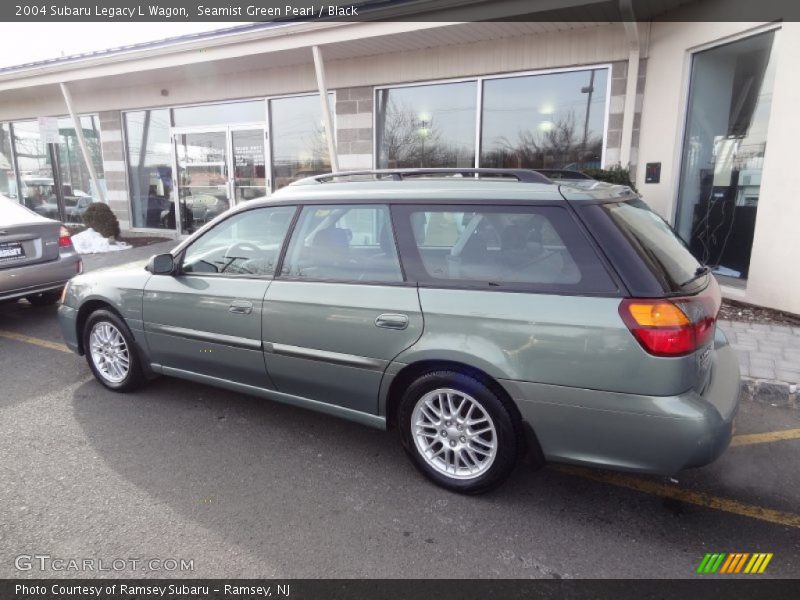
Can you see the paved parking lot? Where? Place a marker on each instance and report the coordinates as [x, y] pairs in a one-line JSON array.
[[249, 488]]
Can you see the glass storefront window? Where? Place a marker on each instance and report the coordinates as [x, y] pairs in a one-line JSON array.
[[426, 125], [249, 164], [8, 178], [34, 161], [299, 145], [150, 168], [220, 114], [553, 121], [78, 190], [730, 95]]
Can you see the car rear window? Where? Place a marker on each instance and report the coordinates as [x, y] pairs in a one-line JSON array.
[[538, 249], [657, 244]]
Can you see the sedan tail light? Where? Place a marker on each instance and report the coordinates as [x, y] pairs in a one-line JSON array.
[[64, 240], [673, 327]]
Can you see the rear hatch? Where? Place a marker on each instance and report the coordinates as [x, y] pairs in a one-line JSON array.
[[674, 300], [25, 237]]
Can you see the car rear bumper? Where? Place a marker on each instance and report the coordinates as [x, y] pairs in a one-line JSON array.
[[18, 282], [649, 434]]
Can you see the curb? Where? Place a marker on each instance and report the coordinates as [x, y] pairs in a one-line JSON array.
[[774, 393]]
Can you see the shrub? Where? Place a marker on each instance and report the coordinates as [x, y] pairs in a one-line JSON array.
[[616, 174], [99, 217]]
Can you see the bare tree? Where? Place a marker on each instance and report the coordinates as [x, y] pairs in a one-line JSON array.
[[555, 147]]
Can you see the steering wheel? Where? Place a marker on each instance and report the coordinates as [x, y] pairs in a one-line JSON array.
[[247, 247]]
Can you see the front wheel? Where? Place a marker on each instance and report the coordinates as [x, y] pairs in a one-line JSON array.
[[458, 432], [110, 352]]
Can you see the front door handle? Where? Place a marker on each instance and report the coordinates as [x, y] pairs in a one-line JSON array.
[[241, 307], [392, 321]]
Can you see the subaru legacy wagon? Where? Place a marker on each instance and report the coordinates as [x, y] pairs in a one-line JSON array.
[[484, 316]]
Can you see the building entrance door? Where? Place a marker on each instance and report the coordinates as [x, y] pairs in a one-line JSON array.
[[216, 169]]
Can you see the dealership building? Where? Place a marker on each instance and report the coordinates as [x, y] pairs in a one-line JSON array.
[[170, 133]]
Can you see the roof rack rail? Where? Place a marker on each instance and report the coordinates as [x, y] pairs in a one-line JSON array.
[[522, 175]]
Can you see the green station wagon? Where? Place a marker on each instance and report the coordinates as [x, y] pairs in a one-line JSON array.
[[483, 313]]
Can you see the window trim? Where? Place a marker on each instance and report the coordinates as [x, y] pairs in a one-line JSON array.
[[409, 251], [181, 254], [480, 79], [404, 282]]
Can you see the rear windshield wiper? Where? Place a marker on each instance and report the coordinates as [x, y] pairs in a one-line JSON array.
[[701, 271]]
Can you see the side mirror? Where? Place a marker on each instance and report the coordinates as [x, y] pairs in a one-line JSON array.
[[161, 264]]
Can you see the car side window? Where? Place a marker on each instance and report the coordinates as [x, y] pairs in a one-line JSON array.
[[247, 243], [343, 243], [502, 246]]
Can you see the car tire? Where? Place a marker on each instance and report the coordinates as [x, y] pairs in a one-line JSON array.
[[111, 352], [44, 299], [458, 432]]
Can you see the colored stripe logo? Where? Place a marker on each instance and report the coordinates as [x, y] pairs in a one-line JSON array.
[[733, 563]]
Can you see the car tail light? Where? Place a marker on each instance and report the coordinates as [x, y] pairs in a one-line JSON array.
[[673, 327], [64, 240]]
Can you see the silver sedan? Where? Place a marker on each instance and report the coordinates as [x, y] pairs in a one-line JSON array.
[[36, 255]]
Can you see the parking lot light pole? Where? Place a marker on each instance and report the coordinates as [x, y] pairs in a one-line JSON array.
[[76, 122], [319, 67]]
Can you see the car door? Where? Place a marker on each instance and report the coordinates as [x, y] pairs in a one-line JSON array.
[[206, 318], [340, 310]]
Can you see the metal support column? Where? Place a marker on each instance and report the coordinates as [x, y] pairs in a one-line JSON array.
[[82, 143], [330, 134]]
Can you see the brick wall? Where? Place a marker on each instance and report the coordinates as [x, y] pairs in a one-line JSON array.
[[354, 127], [616, 109]]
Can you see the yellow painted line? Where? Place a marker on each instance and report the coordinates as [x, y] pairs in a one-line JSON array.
[[764, 438], [765, 563], [698, 498], [32, 340]]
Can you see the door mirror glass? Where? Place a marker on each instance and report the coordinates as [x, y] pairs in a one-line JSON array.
[[161, 264]]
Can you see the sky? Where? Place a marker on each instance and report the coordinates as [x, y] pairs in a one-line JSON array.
[[28, 42]]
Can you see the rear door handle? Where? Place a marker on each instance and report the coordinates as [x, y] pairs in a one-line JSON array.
[[241, 307], [392, 321]]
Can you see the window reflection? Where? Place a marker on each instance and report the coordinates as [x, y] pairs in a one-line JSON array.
[[8, 178], [35, 169], [150, 168], [426, 126], [544, 121], [78, 189], [730, 97], [299, 145]]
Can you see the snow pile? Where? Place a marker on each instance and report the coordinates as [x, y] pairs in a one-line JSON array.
[[91, 242]]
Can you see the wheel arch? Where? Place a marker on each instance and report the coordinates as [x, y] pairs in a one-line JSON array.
[[412, 371], [86, 309]]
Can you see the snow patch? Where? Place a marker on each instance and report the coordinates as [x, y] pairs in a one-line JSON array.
[[91, 242]]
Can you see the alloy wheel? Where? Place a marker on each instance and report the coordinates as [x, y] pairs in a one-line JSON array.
[[454, 433]]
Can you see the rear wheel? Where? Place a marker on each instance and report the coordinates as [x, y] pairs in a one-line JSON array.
[[458, 432], [110, 352], [45, 298]]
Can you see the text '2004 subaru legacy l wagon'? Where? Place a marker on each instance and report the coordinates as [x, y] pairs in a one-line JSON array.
[[483, 317]]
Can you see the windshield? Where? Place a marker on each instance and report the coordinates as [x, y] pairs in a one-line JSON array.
[[665, 253]]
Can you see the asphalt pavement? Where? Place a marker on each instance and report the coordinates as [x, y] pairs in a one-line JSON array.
[[244, 487]]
